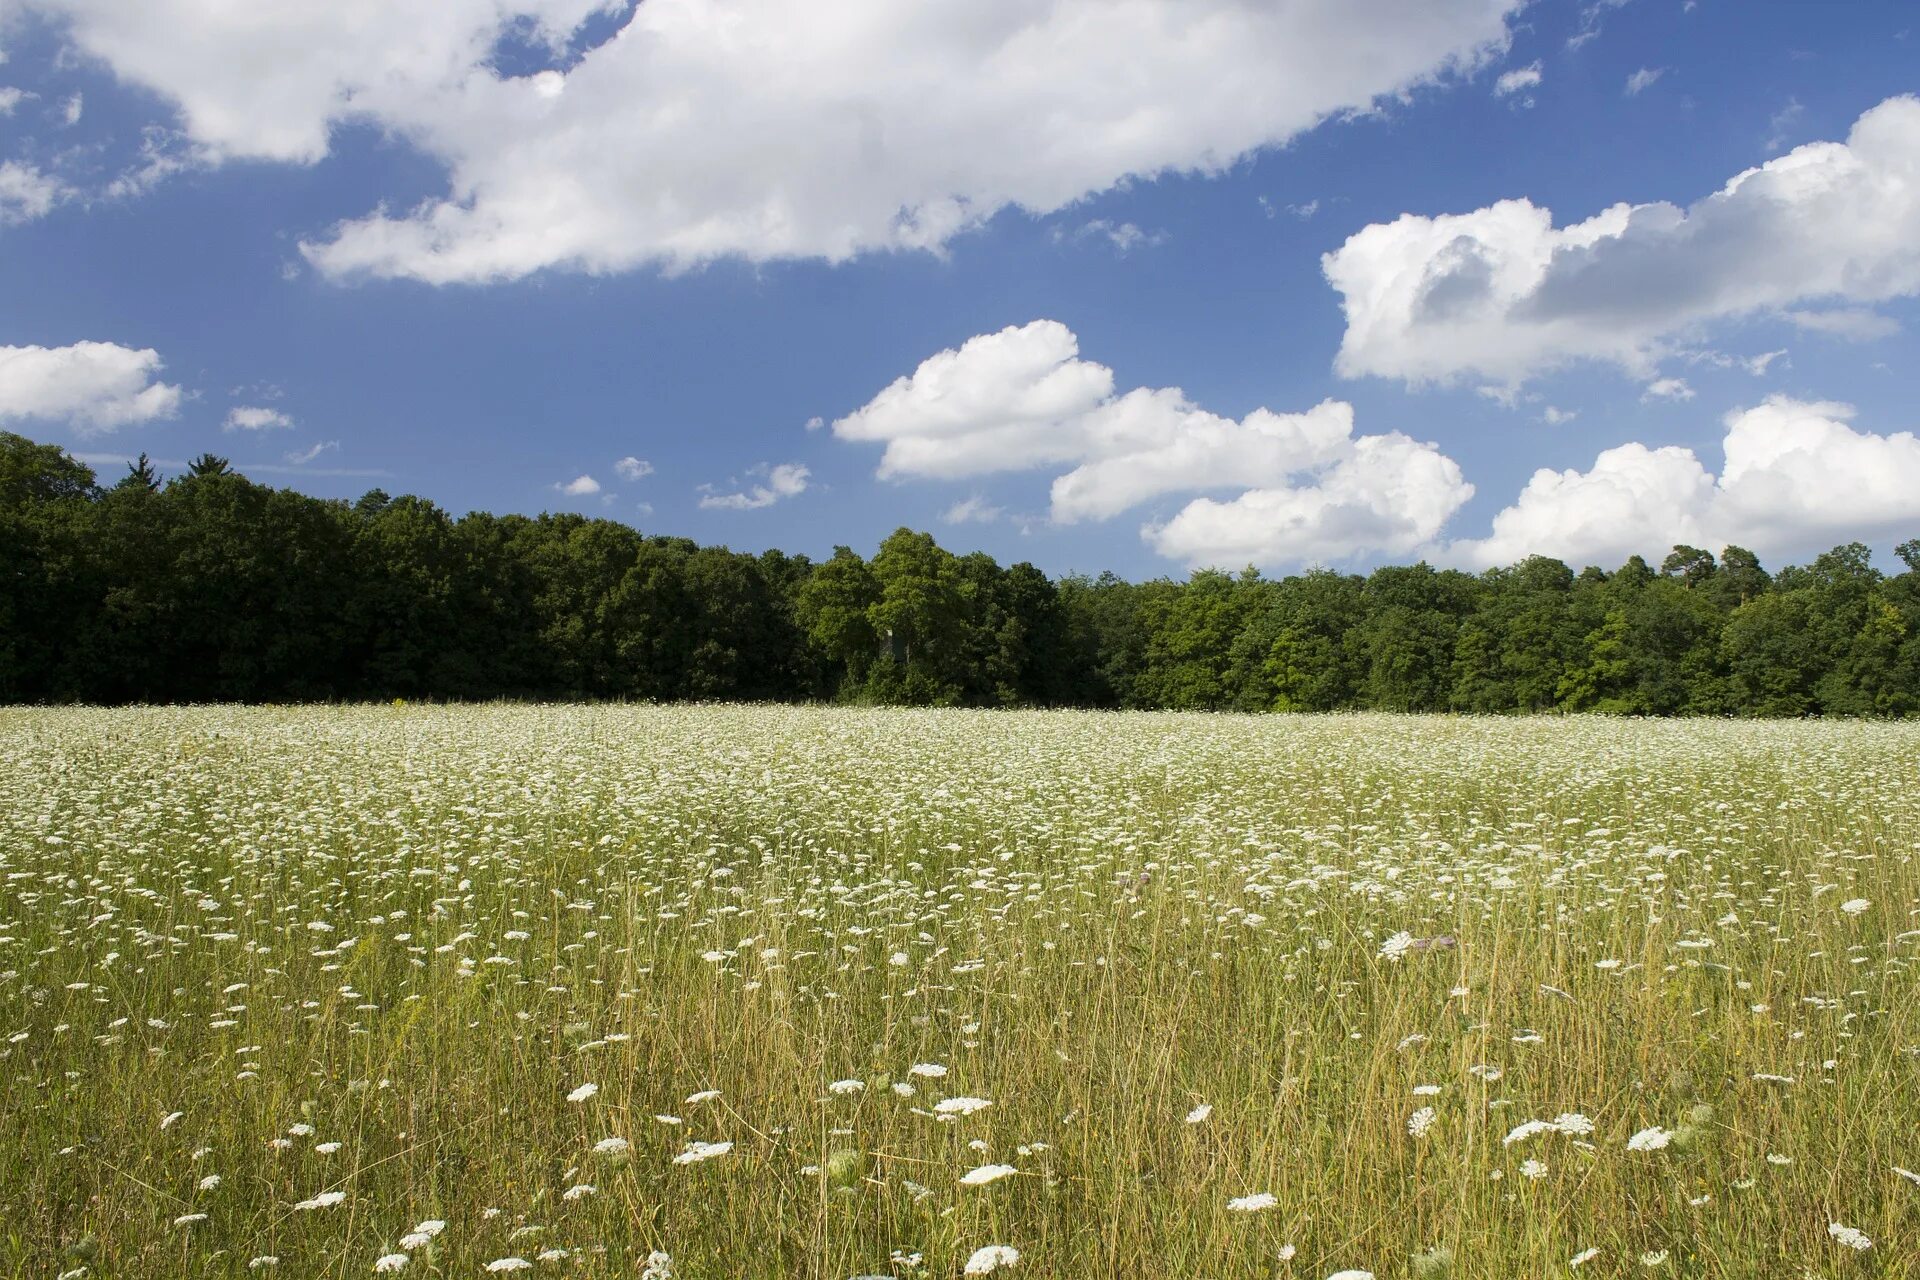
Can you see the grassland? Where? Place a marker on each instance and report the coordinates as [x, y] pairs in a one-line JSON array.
[[1246, 997]]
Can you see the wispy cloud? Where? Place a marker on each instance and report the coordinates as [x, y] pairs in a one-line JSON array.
[[787, 480], [1643, 79]]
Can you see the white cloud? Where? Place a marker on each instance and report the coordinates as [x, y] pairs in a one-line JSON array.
[[90, 386], [763, 128], [250, 417], [1150, 442], [973, 510], [9, 99], [785, 480], [1591, 17], [1500, 293], [632, 468], [1519, 80], [1795, 477], [1388, 494], [1783, 122], [1555, 417], [302, 457], [71, 110], [26, 193], [1003, 401], [1667, 389], [1123, 236], [1856, 324], [1643, 79], [578, 487], [1022, 398]]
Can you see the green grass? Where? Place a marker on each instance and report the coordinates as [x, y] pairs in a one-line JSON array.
[[415, 931]]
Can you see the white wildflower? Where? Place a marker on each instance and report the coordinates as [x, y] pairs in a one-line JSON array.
[[1852, 1237], [991, 1258], [325, 1200], [695, 1152], [986, 1173], [1651, 1139]]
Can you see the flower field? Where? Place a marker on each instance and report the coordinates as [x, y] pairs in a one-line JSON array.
[[768, 992]]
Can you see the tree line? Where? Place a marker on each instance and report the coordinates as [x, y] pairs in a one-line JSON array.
[[206, 586]]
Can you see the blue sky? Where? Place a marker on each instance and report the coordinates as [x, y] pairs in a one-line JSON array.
[[160, 201]]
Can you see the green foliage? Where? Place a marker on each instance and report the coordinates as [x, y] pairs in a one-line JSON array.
[[207, 586]]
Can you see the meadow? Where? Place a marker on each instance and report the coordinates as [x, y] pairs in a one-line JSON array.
[[768, 992]]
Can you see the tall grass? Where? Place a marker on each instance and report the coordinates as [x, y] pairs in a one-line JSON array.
[[415, 932]]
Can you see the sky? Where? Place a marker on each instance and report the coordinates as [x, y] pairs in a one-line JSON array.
[[1140, 285]]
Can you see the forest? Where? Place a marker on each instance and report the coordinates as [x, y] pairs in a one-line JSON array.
[[207, 586]]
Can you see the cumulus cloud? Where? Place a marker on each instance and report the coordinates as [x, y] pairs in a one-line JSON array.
[[762, 128], [1795, 475], [784, 480], [253, 417], [1501, 293], [1388, 494], [632, 468], [578, 487], [1667, 389], [90, 386], [1307, 488], [1002, 401]]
